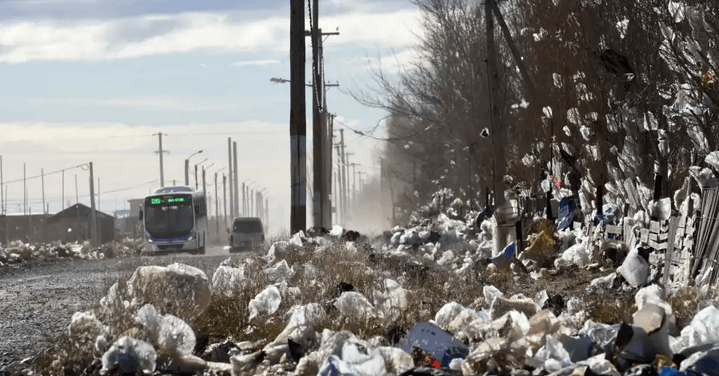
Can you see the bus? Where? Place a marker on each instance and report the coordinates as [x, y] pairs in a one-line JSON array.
[[174, 219]]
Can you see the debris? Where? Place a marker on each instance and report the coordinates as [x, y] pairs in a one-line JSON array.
[[635, 268], [440, 346], [180, 289], [129, 356]]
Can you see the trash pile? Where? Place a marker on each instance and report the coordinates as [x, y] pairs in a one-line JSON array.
[[17, 252], [326, 326]]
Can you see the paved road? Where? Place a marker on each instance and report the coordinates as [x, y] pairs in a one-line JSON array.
[[37, 300]]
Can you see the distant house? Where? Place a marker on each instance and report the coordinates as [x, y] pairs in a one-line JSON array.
[[73, 224]]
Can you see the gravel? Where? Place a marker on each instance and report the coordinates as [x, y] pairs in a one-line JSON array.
[[37, 299]]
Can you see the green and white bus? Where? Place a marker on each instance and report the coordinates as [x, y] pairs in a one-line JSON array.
[[174, 219]]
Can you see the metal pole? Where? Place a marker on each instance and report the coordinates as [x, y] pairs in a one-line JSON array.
[[298, 211], [237, 180], [77, 196], [197, 187], [162, 169], [317, 134], [343, 168], [354, 187], [24, 190], [244, 200], [187, 172], [204, 186], [93, 215], [2, 196], [224, 196], [230, 171], [63, 190], [217, 207]]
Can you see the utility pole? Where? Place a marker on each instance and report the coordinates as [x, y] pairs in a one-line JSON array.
[[298, 122], [318, 135], [2, 197], [328, 121], [162, 167], [224, 196], [343, 168], [93, 215], [204, 185], [77, 196], [217, 207], [321, 154], [24, 190], [230, 171], [244, 201], [63, 190], [237, 180], [354, 186], [337, 197], [504, 217]]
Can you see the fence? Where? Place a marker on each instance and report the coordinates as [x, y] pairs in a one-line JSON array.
[[706, 250]]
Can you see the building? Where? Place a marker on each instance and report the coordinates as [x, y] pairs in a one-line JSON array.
[[69, 226], [73, 225]]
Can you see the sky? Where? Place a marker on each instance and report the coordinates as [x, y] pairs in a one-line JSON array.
[[97, 81]]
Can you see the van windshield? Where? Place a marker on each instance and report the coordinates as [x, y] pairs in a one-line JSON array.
[[247, 226]]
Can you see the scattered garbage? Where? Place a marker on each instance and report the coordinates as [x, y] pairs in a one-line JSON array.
[[635, 268], [432, 346], [129, 356], [266, 302], [546, 331], [182, 288]]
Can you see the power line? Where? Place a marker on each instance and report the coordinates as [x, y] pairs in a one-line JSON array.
[[82, 166], [371, 136]]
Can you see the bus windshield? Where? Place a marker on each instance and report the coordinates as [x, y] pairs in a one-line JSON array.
[[168, 217]]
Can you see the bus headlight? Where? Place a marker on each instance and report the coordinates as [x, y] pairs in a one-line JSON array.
[[192, 236], [149, 240]]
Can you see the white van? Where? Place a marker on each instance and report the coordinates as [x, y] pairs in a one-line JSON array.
[[246, 233]]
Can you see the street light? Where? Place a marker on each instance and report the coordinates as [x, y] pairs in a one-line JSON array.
[[187, 167]]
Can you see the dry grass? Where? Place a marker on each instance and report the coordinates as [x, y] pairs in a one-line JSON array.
[[685, 304], [610, 308], [318, 271]]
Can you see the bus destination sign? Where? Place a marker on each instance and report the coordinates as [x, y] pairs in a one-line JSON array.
[[167, 200]]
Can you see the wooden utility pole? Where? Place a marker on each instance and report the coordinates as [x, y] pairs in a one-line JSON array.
[[298, 122], [94, 240]]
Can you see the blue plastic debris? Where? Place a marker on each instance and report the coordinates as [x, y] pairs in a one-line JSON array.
[[434, 341], [566, 213], [503, 259]]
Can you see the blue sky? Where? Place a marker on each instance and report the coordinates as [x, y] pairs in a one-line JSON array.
[[93, 80]]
